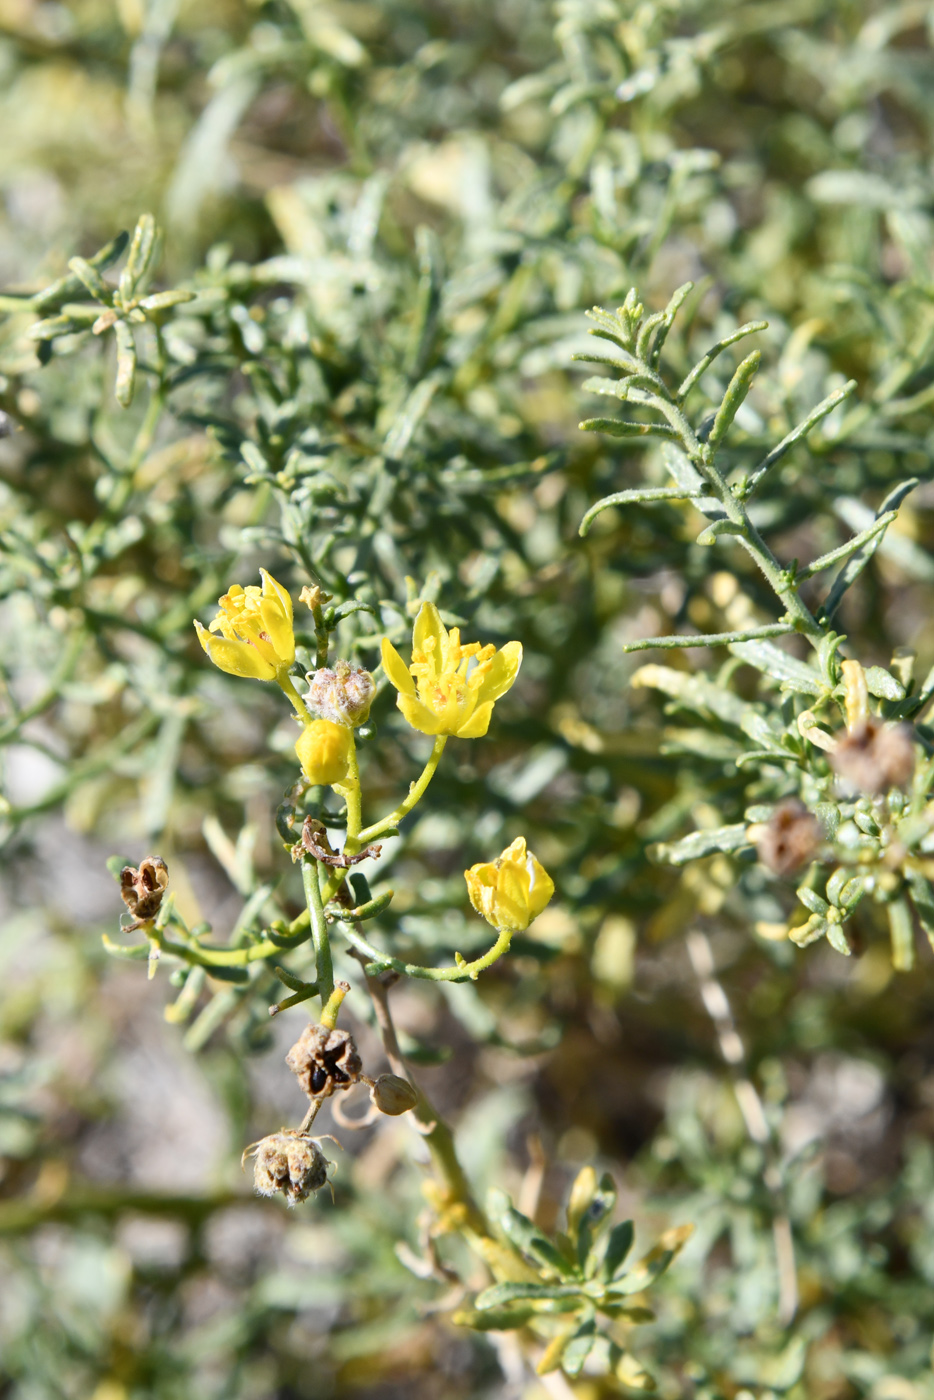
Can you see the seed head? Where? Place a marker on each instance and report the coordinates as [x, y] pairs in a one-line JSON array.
[[142, 890], [789, 838], [290, 1162], [874, 757], [324, 1060], [343, 695]]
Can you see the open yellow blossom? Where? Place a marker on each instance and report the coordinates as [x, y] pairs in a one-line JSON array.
[[255, 627], [449, 687], [512, 890]]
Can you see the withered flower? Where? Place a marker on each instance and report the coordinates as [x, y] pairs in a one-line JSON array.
[[789, 839], [324, 1060], [289, 1162], [874, 757], [142, 890]]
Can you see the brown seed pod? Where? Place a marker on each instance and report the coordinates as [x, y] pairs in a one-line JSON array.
[[288, 1162], [142, 890], [393, 1095], [789, 838], [874, 757], [324, 1060]]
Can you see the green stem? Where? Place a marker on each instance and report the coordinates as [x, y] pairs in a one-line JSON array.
[[415, 794], [459, 972], [284, 682], [324, 965], [437, 1134]]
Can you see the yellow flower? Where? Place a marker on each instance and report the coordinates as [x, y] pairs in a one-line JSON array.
[[256, 631], [512, 890], [324, 750], [454, 686]]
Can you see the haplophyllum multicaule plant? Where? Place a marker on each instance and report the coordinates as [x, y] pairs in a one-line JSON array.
[[849, 776]]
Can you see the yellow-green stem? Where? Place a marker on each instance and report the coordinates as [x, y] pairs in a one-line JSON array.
[[415, 794], [324, 967], [284, 682]]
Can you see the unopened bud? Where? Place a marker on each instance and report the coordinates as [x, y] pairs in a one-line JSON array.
[[324, 750], [789, 838], [875, 757], [343, 695], [290, 1163], [324, 1060], [393, 1095]]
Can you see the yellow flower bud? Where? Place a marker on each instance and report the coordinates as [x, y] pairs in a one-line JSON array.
[[324, 751], [512, 890]]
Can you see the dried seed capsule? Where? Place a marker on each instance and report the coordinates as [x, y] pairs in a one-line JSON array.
[[344, 695], [393, 1095], [875, 757], [789, 838], [142, 890], [289, 1162], [324, 1060]]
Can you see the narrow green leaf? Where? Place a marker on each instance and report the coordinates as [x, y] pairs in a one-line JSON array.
[[493, 1319], [139, 257], [750, 328], [619, 1243], [702, 843], [712, 533], [736, 392], [801, 431], [857, 562], [623, 428], [835, 556], [902, 935], [126, 364], [88, 275], [882, 684], [709, 639], [778, 665], [640, 495], [502, 1294]]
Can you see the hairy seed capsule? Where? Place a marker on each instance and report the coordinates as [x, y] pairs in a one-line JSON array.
[[290, 1163], [393, 1095], [875, 757], [343, 695], [324, 1060], [789, 838]]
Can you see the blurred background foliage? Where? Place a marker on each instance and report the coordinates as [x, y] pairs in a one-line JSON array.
[[392, 217]]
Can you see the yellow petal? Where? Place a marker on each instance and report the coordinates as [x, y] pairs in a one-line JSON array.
[[429, 634], [542, 887], [396, 669], [419, 716], [236, 658], [272, 588], [477, 724], [277, 625], [504, 668]]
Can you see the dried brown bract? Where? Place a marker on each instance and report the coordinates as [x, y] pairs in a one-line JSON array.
[[142, 890], [315, 841], [789, 839], [288, 1162], [875, 757], [324, 1060]]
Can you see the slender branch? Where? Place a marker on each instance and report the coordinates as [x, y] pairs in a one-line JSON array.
[[324, 965], [460, 972], [416, 792], [434, 1130]]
